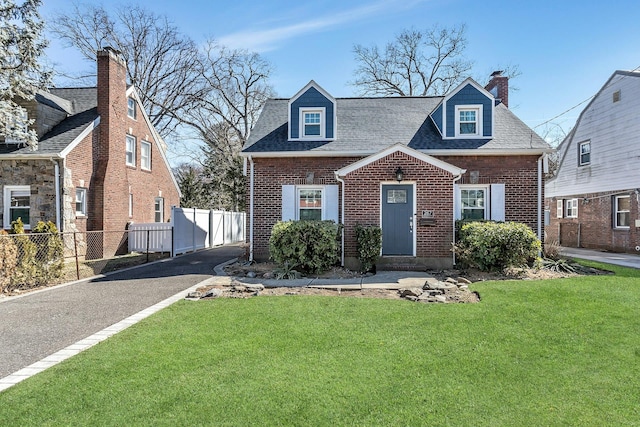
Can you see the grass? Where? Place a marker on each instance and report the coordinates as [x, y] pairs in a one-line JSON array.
[[555, 353]]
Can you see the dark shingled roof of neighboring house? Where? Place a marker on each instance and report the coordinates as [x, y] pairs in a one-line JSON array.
[[373, 124], [79, 103]]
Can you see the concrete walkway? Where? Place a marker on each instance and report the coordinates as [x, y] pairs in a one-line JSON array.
[[625, 260], [41, 328]]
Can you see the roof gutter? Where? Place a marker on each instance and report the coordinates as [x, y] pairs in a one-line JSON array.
[[366, 153]]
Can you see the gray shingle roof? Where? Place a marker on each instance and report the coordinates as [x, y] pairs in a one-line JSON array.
[[81, 106], [372, 124]]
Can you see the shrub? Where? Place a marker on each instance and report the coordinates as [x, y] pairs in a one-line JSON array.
[[39, 255], [50, 252], [308, 246], [25, 275], [552, 250], [491, 246], [8, 260], [369, 241]]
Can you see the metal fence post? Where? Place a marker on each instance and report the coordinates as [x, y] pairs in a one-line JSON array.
[[75, 251], [148, 231]]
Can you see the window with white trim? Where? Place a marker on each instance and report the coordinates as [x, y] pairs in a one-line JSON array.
[[473, 203], [468, 121], [159, 209], [81, 202], [131, 151], [623, 211], [17, 204], [312, 123], [131, 108], [145, 155], [571, 208], [585, 153], [310, 204]]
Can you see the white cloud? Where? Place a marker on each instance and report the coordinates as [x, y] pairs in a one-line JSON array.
[[271, 39]]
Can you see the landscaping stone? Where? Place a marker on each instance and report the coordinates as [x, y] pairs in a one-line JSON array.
[[410, 292], [252, 275], [212, 293]]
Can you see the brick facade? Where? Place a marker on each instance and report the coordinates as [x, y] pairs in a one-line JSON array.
[[97, 163], [434, 192], [594, 227]]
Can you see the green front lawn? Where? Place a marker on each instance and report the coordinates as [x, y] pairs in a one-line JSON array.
[[531, 353]]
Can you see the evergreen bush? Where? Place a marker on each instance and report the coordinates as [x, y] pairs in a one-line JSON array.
[[307, 246], [369, 241], [492, 246]]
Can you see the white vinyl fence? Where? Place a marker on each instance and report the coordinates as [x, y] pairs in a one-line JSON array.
[[189, 230]]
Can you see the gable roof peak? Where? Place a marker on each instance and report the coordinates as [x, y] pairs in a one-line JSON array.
[[316, 86]]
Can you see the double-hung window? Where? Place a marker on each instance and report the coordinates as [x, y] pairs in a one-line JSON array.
[[159, 209], [81, 202], [312, 123], [131, 108], [585, 153], [623, 211], [473, 203], [310, 204], [571, 208], [468, 121], [131, 151], [17, 205], [145, 155]]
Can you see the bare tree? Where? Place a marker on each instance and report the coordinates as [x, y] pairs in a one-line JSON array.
[[160, 60], [553, 133], [416, 63], [233, 89]]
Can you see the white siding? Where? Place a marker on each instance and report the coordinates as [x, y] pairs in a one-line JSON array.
[[614, 132]]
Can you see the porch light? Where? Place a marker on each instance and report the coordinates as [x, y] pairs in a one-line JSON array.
[[399, 174]]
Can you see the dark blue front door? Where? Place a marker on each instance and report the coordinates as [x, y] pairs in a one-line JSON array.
[[397, 219]]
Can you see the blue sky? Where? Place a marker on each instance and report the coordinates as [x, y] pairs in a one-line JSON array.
[[565, 49]]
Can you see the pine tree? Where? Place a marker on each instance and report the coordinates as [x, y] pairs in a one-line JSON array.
[[21, 46]]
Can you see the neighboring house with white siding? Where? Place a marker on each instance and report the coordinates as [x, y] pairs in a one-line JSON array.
[[594, 200]]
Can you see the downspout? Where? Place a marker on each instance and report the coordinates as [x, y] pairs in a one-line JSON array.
[[456, 179], [251, 173], [540, 159], [341, 181], [56, 167]]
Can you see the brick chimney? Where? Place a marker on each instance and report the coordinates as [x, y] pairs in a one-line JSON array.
[[499, 87], [109, 146]]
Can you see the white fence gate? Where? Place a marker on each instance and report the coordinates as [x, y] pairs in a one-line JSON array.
[[189, 230]]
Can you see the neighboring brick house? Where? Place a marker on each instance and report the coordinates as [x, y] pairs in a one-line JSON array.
[[409, 164], [99, 164], [593, 200]]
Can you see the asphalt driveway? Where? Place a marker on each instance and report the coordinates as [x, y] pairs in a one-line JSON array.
[[37, 325]]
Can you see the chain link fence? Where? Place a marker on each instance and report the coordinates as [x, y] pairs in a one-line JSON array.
[[33, 260]]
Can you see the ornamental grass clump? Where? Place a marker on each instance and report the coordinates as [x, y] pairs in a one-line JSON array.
[[308, 246], [494, 246]]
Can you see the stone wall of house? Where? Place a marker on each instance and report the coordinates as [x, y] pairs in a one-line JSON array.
[[594, 227], [40, 176]]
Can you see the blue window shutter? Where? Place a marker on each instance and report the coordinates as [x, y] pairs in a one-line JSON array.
[[497, 202], [332, 202], [457, 206], [288, 202]]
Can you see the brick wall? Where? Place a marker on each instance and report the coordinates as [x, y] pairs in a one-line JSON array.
[[594, 226], [362, 197]]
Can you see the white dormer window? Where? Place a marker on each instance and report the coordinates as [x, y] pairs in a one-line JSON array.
[[312, 123], [468, 121]]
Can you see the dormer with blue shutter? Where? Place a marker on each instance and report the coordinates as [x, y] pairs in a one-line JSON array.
[[465, 113], [312, 115]]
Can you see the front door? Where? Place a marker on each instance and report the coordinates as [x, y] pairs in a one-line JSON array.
[[397, 219]]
